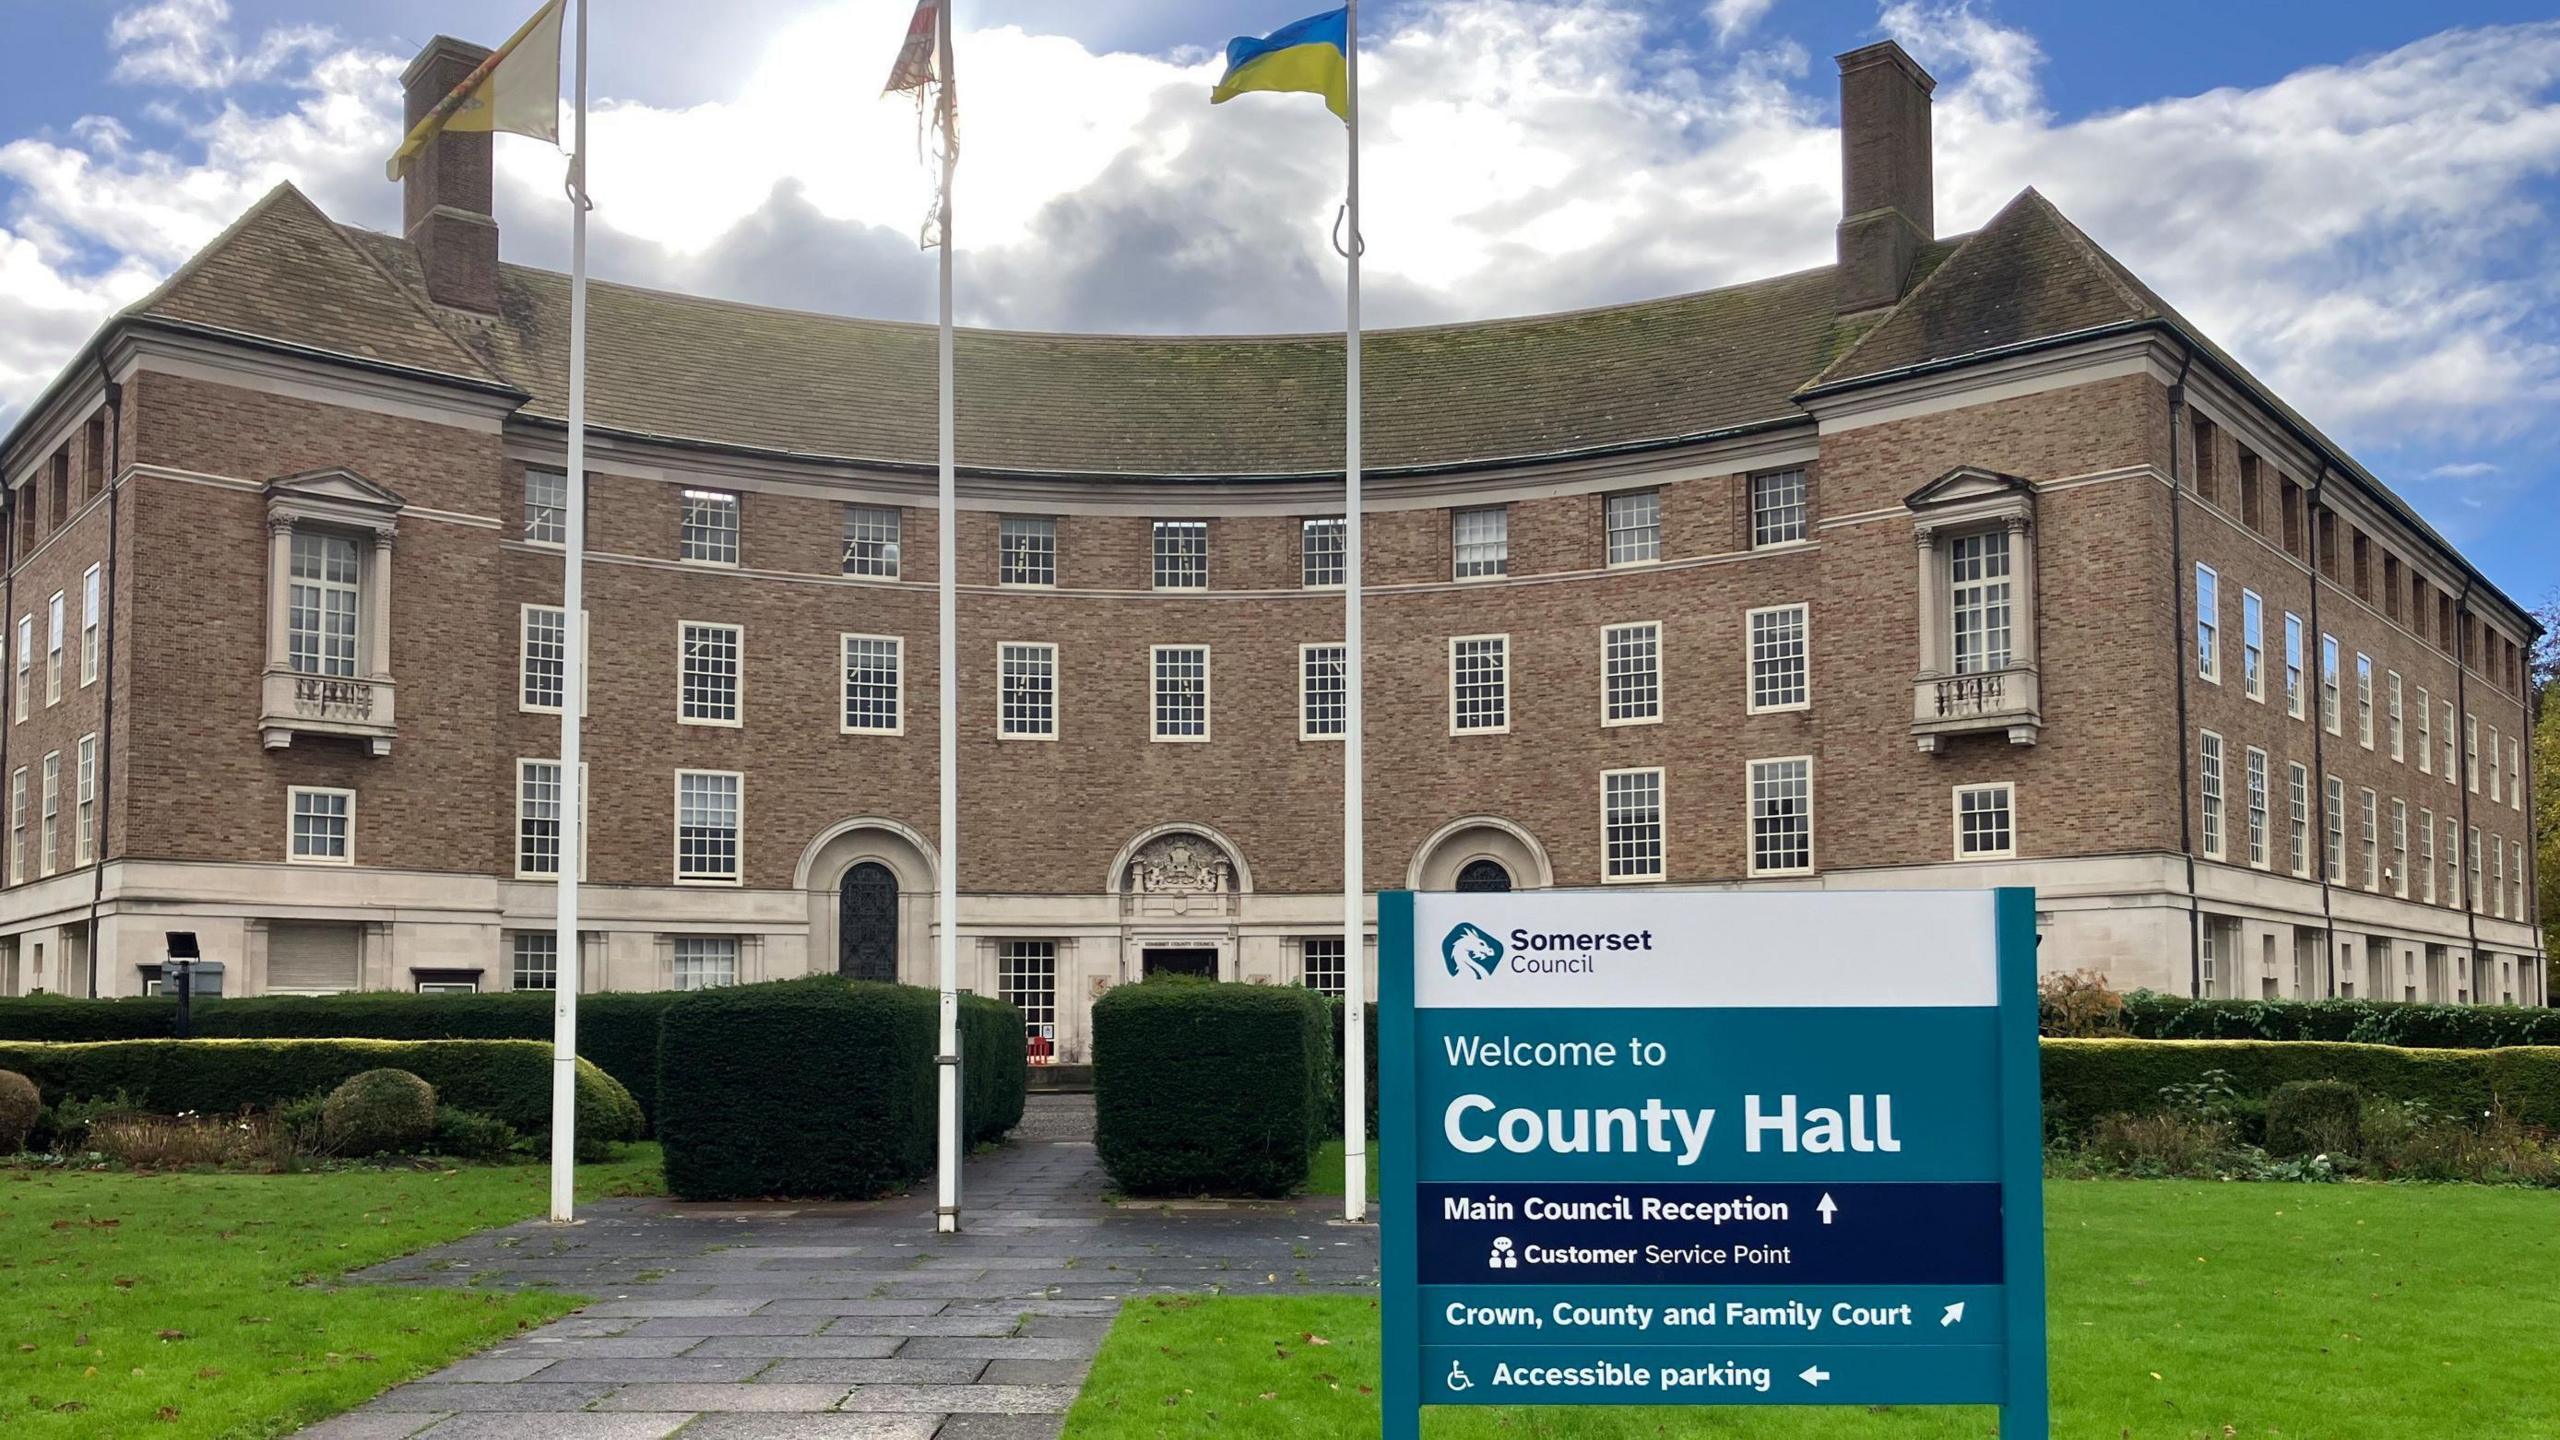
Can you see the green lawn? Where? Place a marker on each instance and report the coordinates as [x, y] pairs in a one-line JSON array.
[[199, 1304], [2309, 1312]]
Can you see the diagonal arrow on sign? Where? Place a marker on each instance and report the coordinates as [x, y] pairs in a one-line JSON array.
[[1955, 1313], [1814, 1375]]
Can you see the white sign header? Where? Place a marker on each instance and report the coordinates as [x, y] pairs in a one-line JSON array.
[[1603, 949]]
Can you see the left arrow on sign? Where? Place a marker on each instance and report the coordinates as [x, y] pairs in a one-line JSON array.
[[1814, 1375]]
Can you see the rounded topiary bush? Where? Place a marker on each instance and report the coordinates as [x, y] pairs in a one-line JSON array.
[[2315, 1117], [19, 1106], [378, 1111]]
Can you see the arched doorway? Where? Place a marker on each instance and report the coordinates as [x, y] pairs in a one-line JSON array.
[[1482, 876], [867, 923], [1480, 853]]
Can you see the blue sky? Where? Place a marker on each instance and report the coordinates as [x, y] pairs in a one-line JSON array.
[[2354, 197]]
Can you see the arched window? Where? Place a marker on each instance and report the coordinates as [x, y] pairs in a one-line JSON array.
[[1484, 875], [867, 923]]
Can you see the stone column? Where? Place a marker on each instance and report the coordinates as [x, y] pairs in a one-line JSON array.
[[2022, 592], [1934, 659], [279, 590], [377, 648]]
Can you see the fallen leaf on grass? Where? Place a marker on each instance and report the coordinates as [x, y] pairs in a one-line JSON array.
[[173, 1334], [1314, 1339]]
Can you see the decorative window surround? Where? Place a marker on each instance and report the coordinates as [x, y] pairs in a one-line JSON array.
[[358, 705], [1968, 501]]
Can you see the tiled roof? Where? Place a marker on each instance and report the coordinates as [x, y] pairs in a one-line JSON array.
[[710, 370]]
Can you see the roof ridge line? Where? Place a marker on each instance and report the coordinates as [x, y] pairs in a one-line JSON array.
[[424, 305], [2090, 251], [1881, 321]]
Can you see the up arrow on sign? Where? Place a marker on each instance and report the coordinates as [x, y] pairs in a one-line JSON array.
[[1827, 1207], [1814, 1375]]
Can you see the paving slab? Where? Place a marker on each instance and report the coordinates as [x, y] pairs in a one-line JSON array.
[[727, 1397], [873, 1372], [735, 1426], [830, 1346], [520, 1426], [1002, 1427]]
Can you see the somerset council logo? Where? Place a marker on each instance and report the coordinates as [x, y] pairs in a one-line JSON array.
[[1468, 947]]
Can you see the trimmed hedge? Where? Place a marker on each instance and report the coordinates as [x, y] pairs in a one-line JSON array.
[[1205, 1088], [823, 1087], [2151, 1016], [2087, 1079], [617, 1029], [509, 1080]]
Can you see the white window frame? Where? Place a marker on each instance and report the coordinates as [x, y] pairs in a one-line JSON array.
[[2254, 775], [2253, 645], [2212, 795], [2332, 716], [1751, 780], [530, 530], [897, 668], [1620, 515], [317, 597], [1611, 825], [1751, 619], [2453, 859], [49, 815], [1176, 546], [92, 606], [2471, 753], [293, 812], [2515, 774], [2364, 700], [1643, 687], [2479, 870], [880, 528], [2498, 876], [2208, 624], [708, 526], [2427, 856], [26, 661], [2426, 732], [18, 825], [2369, 829], [2396, 717], [737, 837], [56, 618], [1157, 695], [2400, 847], [1027, 546], [1978, 599], [1307, 661], [1502, 679], [1338, 968], [2008, 810], [84, 800], [2452, 770], [524, 656], [686, 673], [2333, 858], [1788, 518], [516, 968], [523, 764], [2294, 699], [1485, 555], [1027, 979], [2497, 771], [1045, 654], [1319, 555], [705, 948], [2297, 791]]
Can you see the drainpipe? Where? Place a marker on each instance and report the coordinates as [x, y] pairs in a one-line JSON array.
[[2178, 662], [106, 664], [2318, 647], [2473, 864]]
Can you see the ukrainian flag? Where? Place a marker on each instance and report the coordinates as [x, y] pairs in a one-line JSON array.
[[1310, 55]]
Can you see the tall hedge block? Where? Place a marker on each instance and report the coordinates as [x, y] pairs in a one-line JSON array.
[[2152, 1016], [507, 1079], [1210, 1088], [995, 1068], [2087, 1079], [806, 1088]]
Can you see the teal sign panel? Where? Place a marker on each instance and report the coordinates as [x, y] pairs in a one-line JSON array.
[[1711, 1149]]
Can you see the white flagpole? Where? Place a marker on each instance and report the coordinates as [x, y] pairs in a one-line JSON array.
[[1355, 999], [566, 969], [947, 657]]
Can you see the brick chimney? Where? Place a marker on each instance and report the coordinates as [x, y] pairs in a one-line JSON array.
[[445, 198], [1886, 212]]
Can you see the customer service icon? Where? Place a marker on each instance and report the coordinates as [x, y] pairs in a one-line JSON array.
[[1503, 1257]]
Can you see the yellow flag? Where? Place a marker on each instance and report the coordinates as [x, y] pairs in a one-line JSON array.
[[517, 89]]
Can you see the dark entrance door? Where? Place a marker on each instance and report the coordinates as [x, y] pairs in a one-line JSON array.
[[867, 923], [1201, 962]]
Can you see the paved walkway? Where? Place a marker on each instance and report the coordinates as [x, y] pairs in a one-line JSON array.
[[845, 1321]]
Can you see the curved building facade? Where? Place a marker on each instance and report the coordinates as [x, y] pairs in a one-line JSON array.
[[1960, 561]]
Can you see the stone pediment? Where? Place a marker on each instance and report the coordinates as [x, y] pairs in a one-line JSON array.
[[343, 487], [1966, 484]]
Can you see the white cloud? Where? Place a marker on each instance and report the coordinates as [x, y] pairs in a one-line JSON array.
[[1520, 155]]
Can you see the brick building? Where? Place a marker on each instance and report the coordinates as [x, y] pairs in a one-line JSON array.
[[1960, 561]]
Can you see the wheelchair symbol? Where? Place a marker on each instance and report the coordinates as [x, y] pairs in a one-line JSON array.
[[1458, 1379]]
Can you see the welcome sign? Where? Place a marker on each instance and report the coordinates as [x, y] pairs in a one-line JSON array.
[[1711, 1149]]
